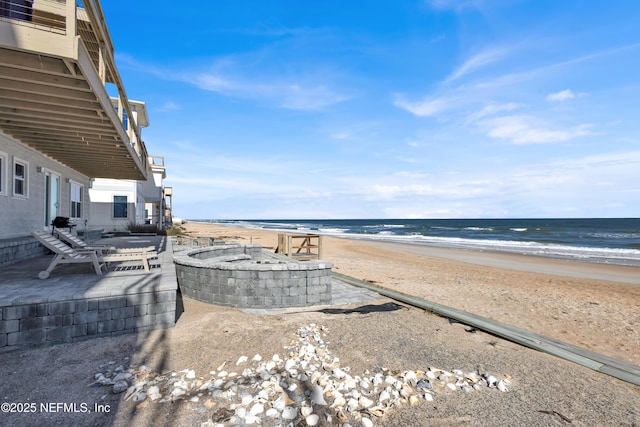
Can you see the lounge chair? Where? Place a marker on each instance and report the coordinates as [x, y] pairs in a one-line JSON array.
[[76, 242], [67, 255]]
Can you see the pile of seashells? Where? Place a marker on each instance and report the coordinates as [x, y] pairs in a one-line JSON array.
[[308, 387]]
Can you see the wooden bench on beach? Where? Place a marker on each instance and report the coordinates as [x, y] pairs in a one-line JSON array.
[[302, 247]]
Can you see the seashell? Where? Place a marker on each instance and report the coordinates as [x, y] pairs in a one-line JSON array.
[[339, 401], [365, 402], [352, 405], [241, 412], [256, 358], [451, 386], [413, 399], [251, 419], [256, 409], [222, 374], [378, 411], [428, 397], [177, 392], [241, 360], [221, 367], [431, 375], [364, 384], [366, 422], [491, 380], [247, 399], [424, 385], [306, 411], [289, 413], [290, 363], [272, 413], [279, 404], [502, 386], [410, 377], [339, 373], [354, 393], [384, 395], [316, 396], [312, 419], [191, 374]]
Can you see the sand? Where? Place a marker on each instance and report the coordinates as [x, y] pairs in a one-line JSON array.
[[575, 304], [544, 391]]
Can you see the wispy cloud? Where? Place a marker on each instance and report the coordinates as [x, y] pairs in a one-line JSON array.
[[492, 109], [561, 96], [476, 62], [456, 5], [168, 107], [426, 107], [528, 130]]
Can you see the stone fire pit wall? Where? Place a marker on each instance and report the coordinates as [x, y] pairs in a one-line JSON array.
[[242, 276]]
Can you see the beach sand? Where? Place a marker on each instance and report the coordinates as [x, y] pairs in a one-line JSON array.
[[544, 391], [594, 306]]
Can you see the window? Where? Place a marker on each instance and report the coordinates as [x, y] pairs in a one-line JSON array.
[[120, 207], [20, 174], [3, 172], [76, 200]]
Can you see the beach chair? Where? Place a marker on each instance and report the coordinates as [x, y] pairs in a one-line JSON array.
[[67, 255], [76, 242]]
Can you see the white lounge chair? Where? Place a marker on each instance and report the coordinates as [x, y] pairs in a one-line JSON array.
[[67, 255], [76, 242]]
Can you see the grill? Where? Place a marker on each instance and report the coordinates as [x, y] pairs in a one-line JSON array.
[[62, 222]]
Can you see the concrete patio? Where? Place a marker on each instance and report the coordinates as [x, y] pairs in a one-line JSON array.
[[75, 304]]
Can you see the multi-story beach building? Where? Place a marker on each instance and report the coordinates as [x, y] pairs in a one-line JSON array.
[[65, 123]]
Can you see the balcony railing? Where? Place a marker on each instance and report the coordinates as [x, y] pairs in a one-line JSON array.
[[75, 31]]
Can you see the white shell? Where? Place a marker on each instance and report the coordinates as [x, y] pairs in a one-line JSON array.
[[317, 396], [289, 413], [312, 419], [366, 422]]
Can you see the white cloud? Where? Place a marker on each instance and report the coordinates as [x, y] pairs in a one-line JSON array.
[[287, 94], [561, 96], [168, 107], [492, 109], [526, 130], [456, 5], [426, 107], [476, 62]]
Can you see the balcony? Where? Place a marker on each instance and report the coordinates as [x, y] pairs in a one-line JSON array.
[[56, 60]]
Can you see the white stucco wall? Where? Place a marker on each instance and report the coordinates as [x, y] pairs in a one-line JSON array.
[[102, 195]]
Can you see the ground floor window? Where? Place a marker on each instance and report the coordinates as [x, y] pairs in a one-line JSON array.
[[120, 207], [20, 173], [76, 200]]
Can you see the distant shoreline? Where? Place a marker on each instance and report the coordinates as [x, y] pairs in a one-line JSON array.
[[589, 259]]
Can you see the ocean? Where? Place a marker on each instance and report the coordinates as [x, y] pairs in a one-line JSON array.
[[599, 240]]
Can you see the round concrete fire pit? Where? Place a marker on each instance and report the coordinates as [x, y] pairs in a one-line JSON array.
[[242, 276]]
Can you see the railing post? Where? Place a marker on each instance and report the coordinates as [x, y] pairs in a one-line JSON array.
[[71, 18]]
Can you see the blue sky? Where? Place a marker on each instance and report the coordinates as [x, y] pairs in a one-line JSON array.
[[388, 109]]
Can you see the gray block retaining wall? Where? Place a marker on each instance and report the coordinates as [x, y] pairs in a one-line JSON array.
[[19, 249], [50, 323], [238, 276]]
